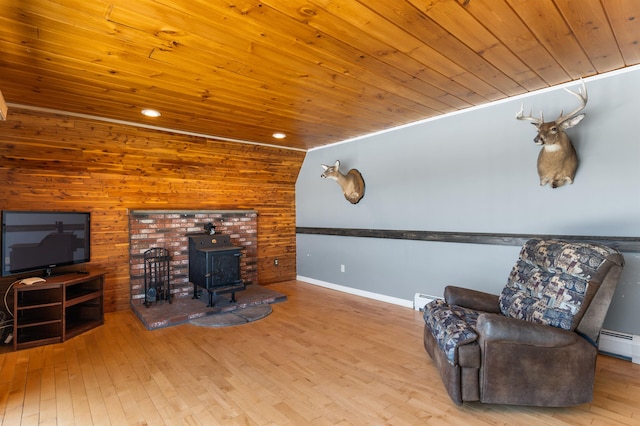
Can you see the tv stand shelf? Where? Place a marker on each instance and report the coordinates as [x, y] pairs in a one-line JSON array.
[[58, 309]]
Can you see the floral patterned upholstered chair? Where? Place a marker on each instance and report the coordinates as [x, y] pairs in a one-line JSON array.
[[535, 343]]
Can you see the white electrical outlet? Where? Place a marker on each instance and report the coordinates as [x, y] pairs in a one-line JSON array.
[[341, 268]]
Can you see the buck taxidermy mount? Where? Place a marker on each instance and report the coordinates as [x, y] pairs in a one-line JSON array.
[[352, 183], [557, 161]]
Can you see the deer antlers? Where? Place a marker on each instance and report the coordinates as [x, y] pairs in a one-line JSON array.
[[581, 94]]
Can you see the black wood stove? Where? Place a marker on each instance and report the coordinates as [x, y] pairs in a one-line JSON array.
[[214, 265]]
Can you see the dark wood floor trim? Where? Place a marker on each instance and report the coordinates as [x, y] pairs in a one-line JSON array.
[[624, 244]]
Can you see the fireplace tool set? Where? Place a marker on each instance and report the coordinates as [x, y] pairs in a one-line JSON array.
[[156, 276]]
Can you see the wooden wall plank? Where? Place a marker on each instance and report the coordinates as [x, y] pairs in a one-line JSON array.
[[63, 163]]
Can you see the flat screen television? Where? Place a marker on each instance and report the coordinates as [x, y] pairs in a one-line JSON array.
[[43, 240]]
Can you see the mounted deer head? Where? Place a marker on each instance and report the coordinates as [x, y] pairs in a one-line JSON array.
[[557, 161], [352, 183]]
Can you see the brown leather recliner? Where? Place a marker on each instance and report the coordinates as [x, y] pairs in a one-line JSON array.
[[534, 344]]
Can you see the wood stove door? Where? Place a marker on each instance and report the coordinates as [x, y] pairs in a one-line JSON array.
[[224, 269]]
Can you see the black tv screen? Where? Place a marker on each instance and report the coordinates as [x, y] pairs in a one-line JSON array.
[[38, 240]]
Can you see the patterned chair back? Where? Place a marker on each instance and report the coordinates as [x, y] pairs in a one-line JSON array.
[[555, 282]]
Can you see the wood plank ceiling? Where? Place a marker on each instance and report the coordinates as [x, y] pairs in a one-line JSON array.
[[321, 71]]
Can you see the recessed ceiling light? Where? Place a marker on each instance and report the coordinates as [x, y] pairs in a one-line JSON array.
[[279, 135], [151, 113]]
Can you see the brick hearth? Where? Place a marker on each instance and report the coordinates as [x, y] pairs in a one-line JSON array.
[[168, 229], [166, 314]]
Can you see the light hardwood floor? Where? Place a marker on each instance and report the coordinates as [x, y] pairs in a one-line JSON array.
[[322, 358]]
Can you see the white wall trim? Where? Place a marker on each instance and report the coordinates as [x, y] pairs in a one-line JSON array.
[[355, 291]]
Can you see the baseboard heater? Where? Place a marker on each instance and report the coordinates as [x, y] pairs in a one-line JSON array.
[[621, 345], [420, 300]]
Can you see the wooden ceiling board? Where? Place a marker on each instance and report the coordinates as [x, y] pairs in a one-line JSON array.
[[122, 94], [253, 60], [624, 16], [590, 25], [551, 29], [321, 71], [452, 17], [368, 43], [337, 74], [507, 26], [450, 58], [345, 61]]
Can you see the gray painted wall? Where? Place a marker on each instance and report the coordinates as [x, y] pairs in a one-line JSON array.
[[476, 172]]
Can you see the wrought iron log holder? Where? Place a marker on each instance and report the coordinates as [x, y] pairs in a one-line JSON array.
[[156, 276]]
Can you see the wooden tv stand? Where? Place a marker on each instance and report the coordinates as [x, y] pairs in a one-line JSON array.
[[58, 309]]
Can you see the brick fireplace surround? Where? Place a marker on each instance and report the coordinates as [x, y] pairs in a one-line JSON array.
[[168, 229]]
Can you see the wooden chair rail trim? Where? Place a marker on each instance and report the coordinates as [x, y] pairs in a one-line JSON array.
[[624, 244]]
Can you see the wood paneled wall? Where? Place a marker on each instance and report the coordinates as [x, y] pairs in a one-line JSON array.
[[57, 162]]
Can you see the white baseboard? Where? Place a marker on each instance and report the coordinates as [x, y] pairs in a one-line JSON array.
[[355, 291]]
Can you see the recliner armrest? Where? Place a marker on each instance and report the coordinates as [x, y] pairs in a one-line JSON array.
[[472, 299], [498, 328]]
